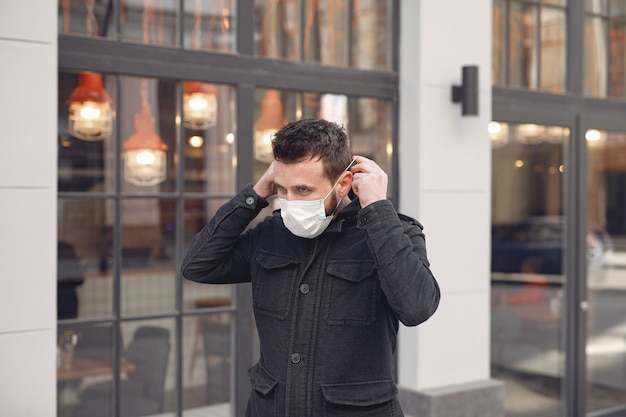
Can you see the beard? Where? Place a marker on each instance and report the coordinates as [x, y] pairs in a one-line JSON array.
[[332, 203]]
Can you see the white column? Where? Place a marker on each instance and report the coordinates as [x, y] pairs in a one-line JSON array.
[[445, 182], [28, 177]]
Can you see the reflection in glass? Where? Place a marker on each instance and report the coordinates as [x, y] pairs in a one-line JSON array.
[[85, 161], [210, 153], [553, 49], [617, 58], [523, 45], [146, 377], [148, 260], [555, 2], [85, 257], [371, 35], [333, 107], [595, 53], [149, 131], [90, 114], [596, 6], [84, 357], [606, 270], [277, 28], [269, 122], [527, 281], [150, 22], [87, 17], [273, 109], [498, 53], [145, 163], [326, 33], [209, 25], [371, 133], [207, 359]]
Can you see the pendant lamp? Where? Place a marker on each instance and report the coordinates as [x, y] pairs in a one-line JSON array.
[[267, 125], [90, 113], [144, 152], [199, 105]]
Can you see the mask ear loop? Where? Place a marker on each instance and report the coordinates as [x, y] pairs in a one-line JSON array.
[[337, 182], [351, 194]]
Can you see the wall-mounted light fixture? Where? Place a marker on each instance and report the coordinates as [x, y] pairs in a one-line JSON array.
[[467, 93]]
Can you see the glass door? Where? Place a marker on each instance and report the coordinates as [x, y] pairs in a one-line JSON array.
[[527, 266], [606, 273]]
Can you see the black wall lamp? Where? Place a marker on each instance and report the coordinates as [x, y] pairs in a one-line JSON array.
[[467, 93]]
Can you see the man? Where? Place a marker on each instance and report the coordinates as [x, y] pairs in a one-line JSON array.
[[331, 277]]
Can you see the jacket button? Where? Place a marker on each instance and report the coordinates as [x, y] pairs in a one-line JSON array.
[[304, 288], [362, 221], [250, 201], [295, 358]]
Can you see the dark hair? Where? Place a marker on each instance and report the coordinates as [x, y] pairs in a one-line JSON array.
[[310, 138]]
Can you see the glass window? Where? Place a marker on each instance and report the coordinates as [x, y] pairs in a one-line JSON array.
[[87, 17], [86, 151], [527, 278], [148, 130], [277, 28], [198, 212], [523, 45], [148, 264], [371, 35], [210, 25], [146, 369], [272, 110], [595, 50], [326, 32], [85, 258], [606, 270], [145, 160], [605, 49], [371, 132], [530, 44], [209, 137], [207, 362], [150, 22], [498, 53], [617, 60], [335, 32], [553, 35], [84, 359], [596, 6]]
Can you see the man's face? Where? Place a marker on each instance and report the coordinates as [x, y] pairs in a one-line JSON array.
[[304, 180]]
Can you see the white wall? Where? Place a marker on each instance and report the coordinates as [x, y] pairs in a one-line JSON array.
[[445, 181], [28, 82]]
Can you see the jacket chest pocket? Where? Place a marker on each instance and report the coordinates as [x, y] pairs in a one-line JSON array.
[[352, 295], [273, 284]]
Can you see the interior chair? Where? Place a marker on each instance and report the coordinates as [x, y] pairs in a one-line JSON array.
[[142, 391]]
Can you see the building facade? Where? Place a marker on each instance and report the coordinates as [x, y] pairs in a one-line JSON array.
[[150, 114]]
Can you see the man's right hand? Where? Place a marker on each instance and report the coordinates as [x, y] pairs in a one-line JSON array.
[[265, 186]]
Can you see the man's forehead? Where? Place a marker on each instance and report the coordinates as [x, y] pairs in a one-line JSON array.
[[309, 172]]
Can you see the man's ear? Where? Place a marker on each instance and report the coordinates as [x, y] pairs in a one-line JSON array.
[[345, 183]]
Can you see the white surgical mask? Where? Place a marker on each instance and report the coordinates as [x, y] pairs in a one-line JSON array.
[[307, 218]]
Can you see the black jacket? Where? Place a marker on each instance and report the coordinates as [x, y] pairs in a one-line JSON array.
[[327, 309]]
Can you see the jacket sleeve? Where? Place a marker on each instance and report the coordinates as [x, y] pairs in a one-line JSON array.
[[219, 253], [398, 246]]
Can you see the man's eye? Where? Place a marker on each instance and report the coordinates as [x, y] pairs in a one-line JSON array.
[[303, 190]]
